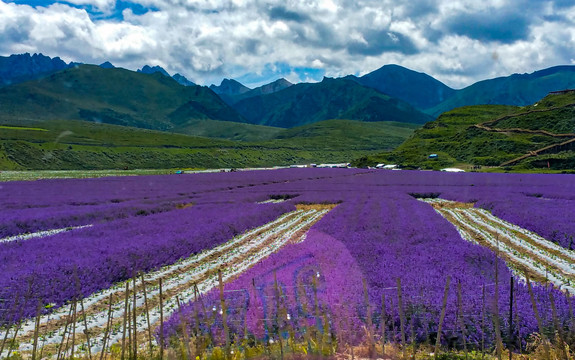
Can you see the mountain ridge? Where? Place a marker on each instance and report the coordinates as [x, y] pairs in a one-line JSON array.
[[18, 68], [419, 89], [307, 103], [115, 96]]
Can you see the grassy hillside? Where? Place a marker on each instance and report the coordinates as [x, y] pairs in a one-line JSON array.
[[68, 144], [306, 103], [229, 130], [347, 134], [113, 96], [492, 135]]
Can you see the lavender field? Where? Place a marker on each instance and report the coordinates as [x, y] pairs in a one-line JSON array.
[[310, 260]]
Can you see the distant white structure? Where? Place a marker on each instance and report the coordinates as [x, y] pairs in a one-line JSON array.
[[342, 165], [379, 166], [452, 170], [390, 167]]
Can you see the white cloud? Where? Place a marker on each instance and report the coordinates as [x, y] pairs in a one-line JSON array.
[[99, 5], [208, 39]]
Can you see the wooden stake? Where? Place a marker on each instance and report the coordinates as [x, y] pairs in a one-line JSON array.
[[517, 323], [369, 321], [277, 298], [36, 329], [393, 332], [383, 323], [460, 316], [5, 338], [86, 329], [412, 322], [64, 335], [509, 346], [8, 327], [539, 322], [572, 329], [147, 315], [558, 327], [184, 326], [401, 317], [134, 319], [347, 325], [129, 324], [126, 307], [499, 341], [200, 340], [161, 322], [20, 321], [74, 318], [483, 322], [108, 326], [224, 312], [316, 308], [441, 317]]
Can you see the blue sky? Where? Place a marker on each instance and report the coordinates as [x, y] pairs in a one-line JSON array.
[[257, 41]]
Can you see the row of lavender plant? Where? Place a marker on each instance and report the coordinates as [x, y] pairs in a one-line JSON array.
[[388, 235], [57, 268], [27, 207]]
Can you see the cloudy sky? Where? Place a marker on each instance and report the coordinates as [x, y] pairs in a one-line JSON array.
[[256, 41]]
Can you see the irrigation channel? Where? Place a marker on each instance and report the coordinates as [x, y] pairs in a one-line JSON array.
[[95, 323], [523, 250]]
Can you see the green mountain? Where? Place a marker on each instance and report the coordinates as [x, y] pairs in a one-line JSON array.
[[113, 96], [540, 135], [517, 89], [418, 89], [70, 144], [308, 103]]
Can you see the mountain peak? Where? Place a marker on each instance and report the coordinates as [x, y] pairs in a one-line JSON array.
[[107, 65], [182, 80], [418, 89], [153, 69], [23, 67], [230, 87], [274, 86]]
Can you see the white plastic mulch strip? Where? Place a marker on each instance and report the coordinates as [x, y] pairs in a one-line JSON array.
[[272, 201], [531, 235], [540, 252], [239, 254], [40, 234], [519, 245]]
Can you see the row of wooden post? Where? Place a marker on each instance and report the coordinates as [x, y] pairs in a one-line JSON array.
[[130, 330]]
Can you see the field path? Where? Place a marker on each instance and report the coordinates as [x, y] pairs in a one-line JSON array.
[[523, 250], [181, 282]]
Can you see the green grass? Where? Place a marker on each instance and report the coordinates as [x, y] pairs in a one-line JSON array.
[[5, 127], [76, 174], [73, 145], [345, 135], [229, 130]]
